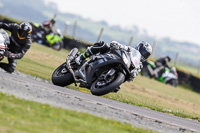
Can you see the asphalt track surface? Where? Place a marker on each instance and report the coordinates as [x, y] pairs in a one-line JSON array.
[[36, 89]]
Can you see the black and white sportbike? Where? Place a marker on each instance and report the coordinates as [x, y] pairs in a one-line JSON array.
[[102, 73], [4, 41]]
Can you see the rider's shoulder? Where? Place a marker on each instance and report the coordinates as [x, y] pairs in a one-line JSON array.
[[14, 24]]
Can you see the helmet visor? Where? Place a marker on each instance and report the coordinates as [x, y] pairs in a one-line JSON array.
[[144, 53], [145, 56], [23, 33]]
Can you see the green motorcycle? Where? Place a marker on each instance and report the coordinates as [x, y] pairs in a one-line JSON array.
[[54, 41], [41, 36], [166, 75]]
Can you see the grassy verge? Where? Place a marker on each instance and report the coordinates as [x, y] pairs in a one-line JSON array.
[[21, 116], [41, 61], [160, 97]]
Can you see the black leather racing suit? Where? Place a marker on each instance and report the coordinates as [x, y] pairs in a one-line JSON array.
[[18, 47], [99, 47], [161, 64]]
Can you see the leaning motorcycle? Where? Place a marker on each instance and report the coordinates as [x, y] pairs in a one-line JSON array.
[[168, 76], [102, 73], [4, 41]]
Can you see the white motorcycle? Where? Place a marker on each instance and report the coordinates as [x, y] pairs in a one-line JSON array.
[[4, 41], [102, 73]]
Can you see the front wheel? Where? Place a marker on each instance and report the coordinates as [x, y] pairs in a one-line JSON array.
[[101, 87], [61, 76]]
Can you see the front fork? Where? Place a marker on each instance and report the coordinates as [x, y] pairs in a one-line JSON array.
[[106, 78], [71, 57], [80, 72], [109, 74]]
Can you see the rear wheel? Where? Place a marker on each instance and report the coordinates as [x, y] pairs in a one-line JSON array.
[[173, 82], [61, 76], [102, 85], [58, 45]]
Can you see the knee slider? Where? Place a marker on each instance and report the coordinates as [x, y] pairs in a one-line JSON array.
[[10, 70]]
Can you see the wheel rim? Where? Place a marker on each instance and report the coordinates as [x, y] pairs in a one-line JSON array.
[[57, 46], [63, 70], [104, 80]]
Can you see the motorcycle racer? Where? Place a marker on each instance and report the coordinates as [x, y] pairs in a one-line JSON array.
[[20, 42], [161, 64], [101, 47]]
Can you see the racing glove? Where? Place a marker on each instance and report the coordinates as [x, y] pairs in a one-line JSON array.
[[9, 54], [115, 45], [100, 43]]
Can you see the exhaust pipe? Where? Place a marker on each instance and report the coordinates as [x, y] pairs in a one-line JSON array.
[[70, 57]]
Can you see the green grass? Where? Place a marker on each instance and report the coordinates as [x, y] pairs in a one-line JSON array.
[[157, 96], [21, 116], [189, 69], [41, 61]]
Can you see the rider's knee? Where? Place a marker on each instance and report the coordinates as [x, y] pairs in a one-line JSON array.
[[10, 70]]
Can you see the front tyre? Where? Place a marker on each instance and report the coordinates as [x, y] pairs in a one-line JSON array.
[[61, 76], [98, 89]]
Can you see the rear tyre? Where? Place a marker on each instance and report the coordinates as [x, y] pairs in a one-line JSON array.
[[61, 76], [173, 82], [117, 80], [58, 45]]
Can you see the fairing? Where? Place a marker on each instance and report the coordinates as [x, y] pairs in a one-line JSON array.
[[4, 37], [104, 62], [4, 41]]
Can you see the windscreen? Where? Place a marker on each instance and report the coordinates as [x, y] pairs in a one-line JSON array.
[[5, 36], [135, 57]]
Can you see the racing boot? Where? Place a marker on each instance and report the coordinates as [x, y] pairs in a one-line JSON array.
[[117, 89], [80, 59]]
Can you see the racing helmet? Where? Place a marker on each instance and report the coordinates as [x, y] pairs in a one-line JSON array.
[[24, 29], [58, 31], [52, 21], [168, 58], [145, 50], [47, 25]]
